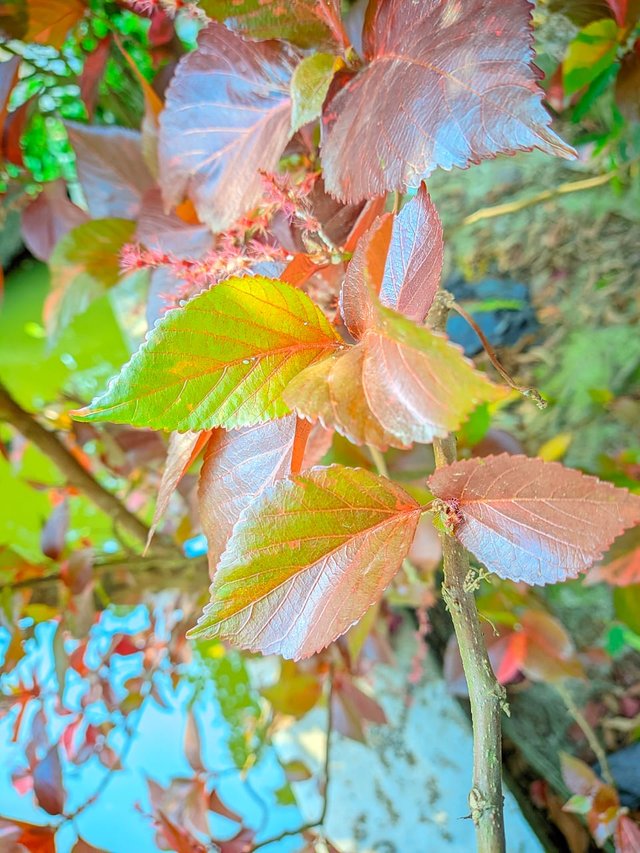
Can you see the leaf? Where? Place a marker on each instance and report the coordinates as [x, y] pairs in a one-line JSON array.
[[413, 268], [589, 54], [309, 86], [627, 835], [48, 218], [182, 452], [301, 22], [51, 20], [364, 276], [111, 169], [400, 260], [449, 84], [222, 360], [227, 116], [307, 560], [169, 232], [83, 265], [619, 9], [352, 709], [82, 846], [33, 838], [530, 520], [295, 693], [628, 85], [193, 743], [54, 532], [415, 386], [238, 466], [333, 391], [92, 73], [47, 783], [550, 654]]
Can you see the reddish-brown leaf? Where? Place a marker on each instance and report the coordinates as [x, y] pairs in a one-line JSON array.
[[92, 71], [549, 652], [227, 116], [238, 466], [169, 232], [182, 452], [193, 743], [54, 532], [111, 168], [33, 838], [364, 276], [48, 218], [51, 20], [446, 84], [82, 846], [627, 835], [281, 589], [352, 709], [628, 84], [47, 783], [530, 520], [402, 383], [414, 263]]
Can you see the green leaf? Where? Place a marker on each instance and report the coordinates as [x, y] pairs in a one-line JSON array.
[[591, 52], [307, 559], [309, 86], [626, 603], [22, 514], [222, 360]]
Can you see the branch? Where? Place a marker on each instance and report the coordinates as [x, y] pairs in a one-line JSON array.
[[49, 443], [531, 201], [487, 697], [288, 833]]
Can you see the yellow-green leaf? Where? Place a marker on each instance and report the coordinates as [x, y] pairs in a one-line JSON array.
[[307, 559], [222, 360], [591, 52], [309, 86]]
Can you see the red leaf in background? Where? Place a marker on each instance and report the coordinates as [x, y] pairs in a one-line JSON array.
[[184, 804], [170, 232], [92, 71], [227, 116], [279, 590], [238, 466], [183, 450], [47, 783], [193, 743], [619, 9], [549, 652], [176, 837], [240, 843], [432, 101], [77, 572], [352, 709], [111, 169], [124, 645], [54, 532], [216, 805], [621, 565], [530, 520], [48, 218], [14, 126], [82, 846], [51, 20], [8, 77], [35, 839], [627, 835]]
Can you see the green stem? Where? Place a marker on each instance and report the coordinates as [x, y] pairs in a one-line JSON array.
[[487, 697]]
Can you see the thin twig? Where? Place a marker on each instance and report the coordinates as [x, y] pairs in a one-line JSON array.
[[587, 730], [326, 775], [546, 195], [486, 696], [49, 443], [533, 393]]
